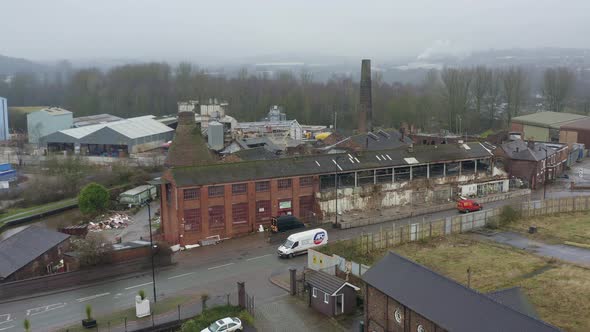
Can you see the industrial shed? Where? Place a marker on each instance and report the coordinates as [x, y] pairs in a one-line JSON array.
[[543, 126], [113, 139]]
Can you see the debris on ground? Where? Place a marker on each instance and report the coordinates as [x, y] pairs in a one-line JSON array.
[[114, 221]]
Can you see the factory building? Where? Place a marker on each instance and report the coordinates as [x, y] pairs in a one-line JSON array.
[[47, 121], [112, 139]]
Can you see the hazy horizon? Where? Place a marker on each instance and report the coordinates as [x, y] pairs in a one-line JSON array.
[[230, 30]]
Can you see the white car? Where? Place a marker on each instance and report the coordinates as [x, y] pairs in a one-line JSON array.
[[225, 324]]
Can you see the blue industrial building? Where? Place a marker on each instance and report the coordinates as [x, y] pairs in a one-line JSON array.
[[4, 134]]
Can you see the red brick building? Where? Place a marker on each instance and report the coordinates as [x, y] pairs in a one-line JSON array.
[[403, 296]]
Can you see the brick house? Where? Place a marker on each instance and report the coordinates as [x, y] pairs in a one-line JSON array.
[[533, 162], [32, 252], [401, 295]]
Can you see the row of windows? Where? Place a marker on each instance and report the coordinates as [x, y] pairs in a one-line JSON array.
[[240, 213], [242, 188], [326, 296]]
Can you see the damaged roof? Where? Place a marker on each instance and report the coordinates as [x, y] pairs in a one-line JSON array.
[[520, 150], [326, 164]]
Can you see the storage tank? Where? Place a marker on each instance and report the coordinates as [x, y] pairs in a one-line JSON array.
[[215, 135]]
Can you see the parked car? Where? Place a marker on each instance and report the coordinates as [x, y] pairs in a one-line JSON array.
[[285, 223], [468, 205], [225, 325], [298, 243]]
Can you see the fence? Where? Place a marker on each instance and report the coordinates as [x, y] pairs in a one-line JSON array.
[[398, 234], [166, 315]]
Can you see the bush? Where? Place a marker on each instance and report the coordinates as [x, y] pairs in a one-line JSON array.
[[141, 294], [93, 199], [93, 250], [88, 312], [209, 316], [508, 215]]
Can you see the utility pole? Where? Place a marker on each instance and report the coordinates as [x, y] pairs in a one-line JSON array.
[[545, 174], [152, 250]]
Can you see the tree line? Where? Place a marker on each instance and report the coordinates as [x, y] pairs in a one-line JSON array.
[[467, 100]]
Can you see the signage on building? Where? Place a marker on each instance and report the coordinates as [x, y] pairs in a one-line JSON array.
[[285, 205]]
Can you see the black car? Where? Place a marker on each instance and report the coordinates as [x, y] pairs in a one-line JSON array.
[[285, 223]]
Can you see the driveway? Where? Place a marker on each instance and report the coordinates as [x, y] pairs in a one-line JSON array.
[[562, 252]]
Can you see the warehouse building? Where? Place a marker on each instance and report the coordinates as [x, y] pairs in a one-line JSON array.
[[230, 199], [543, 126], [112, 139], [577, 131], [47, 121]]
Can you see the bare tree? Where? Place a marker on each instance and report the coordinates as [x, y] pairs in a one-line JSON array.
[[456, 93], [558, 84], [515, 86], [482, 81]]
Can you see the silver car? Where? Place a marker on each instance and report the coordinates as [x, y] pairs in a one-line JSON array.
[[225, 325]]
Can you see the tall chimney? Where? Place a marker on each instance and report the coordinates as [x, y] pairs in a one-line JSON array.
[[366, 103]]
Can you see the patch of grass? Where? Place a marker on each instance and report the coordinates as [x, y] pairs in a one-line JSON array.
[[574, 227], [211, 315], [13, 214], [118, 318]]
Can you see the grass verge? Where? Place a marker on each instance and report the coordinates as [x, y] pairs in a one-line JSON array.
[[557, 290], [13, 214], [574, 227]]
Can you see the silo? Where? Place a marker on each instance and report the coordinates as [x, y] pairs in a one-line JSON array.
[[215, 135]]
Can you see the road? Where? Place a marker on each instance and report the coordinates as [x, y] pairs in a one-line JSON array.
[[213, 270]]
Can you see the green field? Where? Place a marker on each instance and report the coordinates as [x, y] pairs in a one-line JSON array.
[[573, 227], [13, 214]]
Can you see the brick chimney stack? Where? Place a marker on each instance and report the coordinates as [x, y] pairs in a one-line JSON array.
[[366, 102]]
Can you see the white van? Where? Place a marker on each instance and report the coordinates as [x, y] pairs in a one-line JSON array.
[[298, 243]]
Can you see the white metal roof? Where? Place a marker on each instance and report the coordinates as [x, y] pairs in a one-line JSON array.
[[132, 128]]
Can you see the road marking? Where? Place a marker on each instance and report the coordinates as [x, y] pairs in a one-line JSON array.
[[220, 266], [82, 299], [253, 258], [181, 275], [6, 328], [5, 318], [40, 310], [147, 283]]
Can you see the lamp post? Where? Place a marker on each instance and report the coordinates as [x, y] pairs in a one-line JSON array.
[[336, 183], [545, 173], [152, 249]]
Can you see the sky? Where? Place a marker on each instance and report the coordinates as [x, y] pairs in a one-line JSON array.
[[225, 30]]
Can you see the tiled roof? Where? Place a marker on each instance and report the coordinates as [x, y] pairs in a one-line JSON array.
[[325, 282]]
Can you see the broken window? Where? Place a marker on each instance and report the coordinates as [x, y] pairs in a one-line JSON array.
[[346, 180], [306, 181], [402, 174], [437, 170], [384, 175], [216, 217], [467, 167], [327, 182], [192, 219], [453, 168], [366, 177], [420, 172], [483, 165]]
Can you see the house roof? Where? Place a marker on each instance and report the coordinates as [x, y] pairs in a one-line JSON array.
[[447, 303], [325, 164], [326, 283], [519, 149], [516, 299], [259, 153], [581, 124], [23, 247], [249, 143], [548, 119]]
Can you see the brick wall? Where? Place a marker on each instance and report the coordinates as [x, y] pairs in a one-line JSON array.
[[38, 267]]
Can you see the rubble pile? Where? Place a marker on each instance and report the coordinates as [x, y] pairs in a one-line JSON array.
[[115, 221]]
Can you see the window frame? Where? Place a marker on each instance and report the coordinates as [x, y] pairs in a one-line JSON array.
[[211, 191], [193, 194], [235, 192], [314, 292], [326, 298], [262, 186], [284, 184], [306, 181]]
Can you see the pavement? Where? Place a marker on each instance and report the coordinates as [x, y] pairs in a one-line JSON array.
[[562, 252]]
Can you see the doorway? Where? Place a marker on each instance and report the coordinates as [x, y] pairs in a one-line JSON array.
[[339, 304]]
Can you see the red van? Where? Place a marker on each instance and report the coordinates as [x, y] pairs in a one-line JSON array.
[[468, 205]]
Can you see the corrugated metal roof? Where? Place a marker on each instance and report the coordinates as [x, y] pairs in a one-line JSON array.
[[547, 119], [445, 302], [132, 128]]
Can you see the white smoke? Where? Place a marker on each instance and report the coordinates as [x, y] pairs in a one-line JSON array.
[[441, 47]]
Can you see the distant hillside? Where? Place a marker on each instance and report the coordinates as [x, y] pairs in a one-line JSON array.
[[9, 65]]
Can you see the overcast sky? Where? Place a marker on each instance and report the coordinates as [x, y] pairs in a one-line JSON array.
[[188, 29]]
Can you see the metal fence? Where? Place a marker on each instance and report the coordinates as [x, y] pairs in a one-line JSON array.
[[166, 316]]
